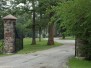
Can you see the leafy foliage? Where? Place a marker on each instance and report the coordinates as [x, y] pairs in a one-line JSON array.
[[76, 17]]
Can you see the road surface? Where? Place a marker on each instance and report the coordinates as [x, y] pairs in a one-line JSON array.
[[51, 58]]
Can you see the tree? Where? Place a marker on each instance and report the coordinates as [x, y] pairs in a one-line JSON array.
[[41, 24], [76, 15], [33, 27], [2, 13], [48, 6], [28, 7]]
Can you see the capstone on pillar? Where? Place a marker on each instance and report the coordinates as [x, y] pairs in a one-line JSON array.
[[9, 34]]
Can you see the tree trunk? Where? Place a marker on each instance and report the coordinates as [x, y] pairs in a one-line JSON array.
[[51, 34], [63, 36], [33, 27], [75, 47], [40, 32]]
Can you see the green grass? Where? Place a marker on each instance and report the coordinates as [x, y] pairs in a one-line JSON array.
[[1, 46], [69, 38], [77, 63], [28, 48]]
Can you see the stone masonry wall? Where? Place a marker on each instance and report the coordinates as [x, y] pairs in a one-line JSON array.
[[9, 36]]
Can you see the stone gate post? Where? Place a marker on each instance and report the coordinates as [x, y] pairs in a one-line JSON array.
[[9, 34]]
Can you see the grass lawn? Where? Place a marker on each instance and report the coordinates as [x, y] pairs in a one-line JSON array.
[[28, 48], [77, 63], [69, 38]]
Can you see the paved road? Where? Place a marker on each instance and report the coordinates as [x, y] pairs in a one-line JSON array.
[[51, 58]]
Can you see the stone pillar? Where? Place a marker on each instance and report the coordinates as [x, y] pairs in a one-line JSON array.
[[9, 34]]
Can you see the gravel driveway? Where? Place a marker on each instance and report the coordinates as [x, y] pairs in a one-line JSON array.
[[51, 58]]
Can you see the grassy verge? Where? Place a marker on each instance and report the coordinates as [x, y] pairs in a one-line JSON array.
[[28, 48], [77, 63]]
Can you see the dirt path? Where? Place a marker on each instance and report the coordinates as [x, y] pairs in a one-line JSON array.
[[51, 58]]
